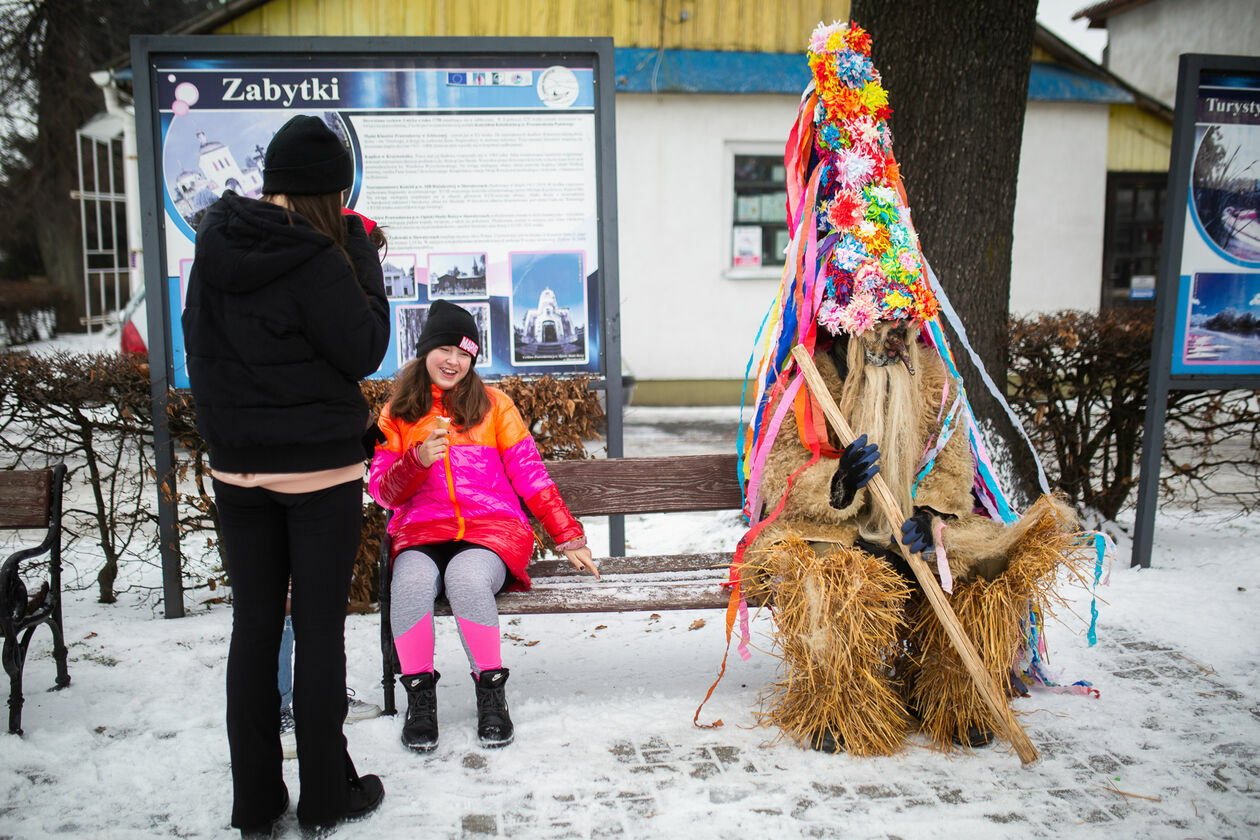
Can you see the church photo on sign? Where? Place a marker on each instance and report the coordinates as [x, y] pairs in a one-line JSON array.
[[548, 308]]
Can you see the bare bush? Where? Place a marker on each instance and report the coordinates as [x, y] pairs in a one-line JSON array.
[[1079, 381], [94, 412]]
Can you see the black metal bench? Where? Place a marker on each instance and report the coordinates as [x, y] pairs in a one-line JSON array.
[[31, 499], [606, 487]]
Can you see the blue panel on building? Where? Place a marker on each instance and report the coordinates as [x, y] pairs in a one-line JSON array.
[[642, 70], [1054, 83]]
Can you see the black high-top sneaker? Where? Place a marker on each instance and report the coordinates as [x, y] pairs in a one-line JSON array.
[[420, 731], [494, 724]]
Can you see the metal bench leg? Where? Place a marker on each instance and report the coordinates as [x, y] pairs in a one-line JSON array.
[[13, 656], [388, 683], [59, 649]]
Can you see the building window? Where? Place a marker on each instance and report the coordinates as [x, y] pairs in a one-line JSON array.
[[759, 231], [1134, 229]]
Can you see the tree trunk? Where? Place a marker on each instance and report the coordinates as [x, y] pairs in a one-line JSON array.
[[68, 98], [957, 81]]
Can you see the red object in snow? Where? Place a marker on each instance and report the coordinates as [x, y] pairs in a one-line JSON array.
[[131, 342]]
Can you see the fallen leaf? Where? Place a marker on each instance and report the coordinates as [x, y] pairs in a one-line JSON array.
[[697, 624], [601, 627]]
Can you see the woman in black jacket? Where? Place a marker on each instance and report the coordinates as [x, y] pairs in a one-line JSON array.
[[286, 312]]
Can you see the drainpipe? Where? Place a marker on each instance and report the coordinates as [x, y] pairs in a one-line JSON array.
[[104, 79]]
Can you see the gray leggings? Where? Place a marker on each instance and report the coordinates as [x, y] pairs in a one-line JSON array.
[[469, 574]]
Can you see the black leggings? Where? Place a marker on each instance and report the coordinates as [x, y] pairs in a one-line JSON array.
[[268, 538]]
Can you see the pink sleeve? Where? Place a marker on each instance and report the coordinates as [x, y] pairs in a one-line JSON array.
[[524, 467]]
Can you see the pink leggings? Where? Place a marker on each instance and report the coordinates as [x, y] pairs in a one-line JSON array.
[[469, 575]]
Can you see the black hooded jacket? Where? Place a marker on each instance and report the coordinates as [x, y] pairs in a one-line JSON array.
[[278, 331]]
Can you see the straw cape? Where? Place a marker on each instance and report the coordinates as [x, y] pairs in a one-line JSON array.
[[863, 654]]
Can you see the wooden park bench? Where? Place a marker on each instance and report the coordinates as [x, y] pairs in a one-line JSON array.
[[31, 499], [608, 487]]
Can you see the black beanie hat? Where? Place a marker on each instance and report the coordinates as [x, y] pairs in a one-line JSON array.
[[306, 158], [449, 325]]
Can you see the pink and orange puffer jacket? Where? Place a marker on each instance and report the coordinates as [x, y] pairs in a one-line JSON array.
[[473, 493]]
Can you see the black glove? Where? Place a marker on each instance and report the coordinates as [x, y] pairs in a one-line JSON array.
[[916, 532], [371, 437], [858, 464]]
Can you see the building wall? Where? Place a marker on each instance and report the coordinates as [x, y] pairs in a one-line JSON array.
[[681, 317], [753, 25], [1056, 259], [1138, 141], [1143, 44], [685, 315]]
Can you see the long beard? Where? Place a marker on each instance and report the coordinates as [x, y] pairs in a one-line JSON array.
[[882, 403]]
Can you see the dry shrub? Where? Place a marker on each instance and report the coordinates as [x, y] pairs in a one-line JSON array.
[[1078, 381], [95, 413], [562, 413], [839, 624]]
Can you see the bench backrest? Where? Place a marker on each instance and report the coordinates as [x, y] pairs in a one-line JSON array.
[[602, 486], [24, 498]]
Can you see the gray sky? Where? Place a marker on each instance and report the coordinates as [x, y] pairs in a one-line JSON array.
[[1056, 15]]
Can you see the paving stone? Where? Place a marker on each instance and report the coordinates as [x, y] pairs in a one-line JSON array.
[[625, 752], [723, 796], [479, 824], [705, 770]]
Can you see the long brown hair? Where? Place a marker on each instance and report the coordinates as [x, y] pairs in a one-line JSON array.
[[322, 212], [467, 403]]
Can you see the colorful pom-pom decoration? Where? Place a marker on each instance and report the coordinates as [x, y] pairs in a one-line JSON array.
[[873, 267]]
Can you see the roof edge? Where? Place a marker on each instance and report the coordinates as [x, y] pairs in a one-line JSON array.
[[1098, 13], [1061, 51]]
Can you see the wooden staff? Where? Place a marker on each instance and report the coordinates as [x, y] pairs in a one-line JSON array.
[[887, 504]]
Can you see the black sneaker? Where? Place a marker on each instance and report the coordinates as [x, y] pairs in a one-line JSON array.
[[420, 729], [494, 724]]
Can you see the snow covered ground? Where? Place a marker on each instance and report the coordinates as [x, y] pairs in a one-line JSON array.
[[135, 746]]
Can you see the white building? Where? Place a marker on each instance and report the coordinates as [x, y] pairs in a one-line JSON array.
[[548, 323], [1145, 38]]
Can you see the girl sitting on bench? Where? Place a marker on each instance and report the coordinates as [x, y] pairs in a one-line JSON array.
[[456, 457]]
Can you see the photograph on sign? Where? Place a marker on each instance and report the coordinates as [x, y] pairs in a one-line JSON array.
[[400, 276], [409, 322], [1225, 190], [1224, 320], [464, 162], [457, 275], [548, 308]]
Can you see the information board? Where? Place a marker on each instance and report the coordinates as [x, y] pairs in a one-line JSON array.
[[489, 162], [1218, 290], [1207, 307], [482, 169]]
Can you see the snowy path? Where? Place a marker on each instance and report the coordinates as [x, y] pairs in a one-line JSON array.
[[135, 747]]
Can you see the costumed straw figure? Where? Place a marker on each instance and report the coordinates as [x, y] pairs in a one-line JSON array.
[[864, 654]]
